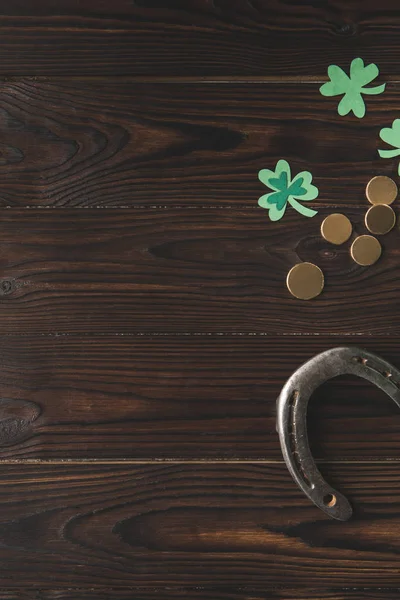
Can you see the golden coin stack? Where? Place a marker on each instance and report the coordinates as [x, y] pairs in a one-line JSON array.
[[306, 280]]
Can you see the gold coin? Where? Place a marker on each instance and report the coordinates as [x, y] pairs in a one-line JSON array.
[[336, 228], [380, 219], [365, 250], [381, 190], [305, 281]]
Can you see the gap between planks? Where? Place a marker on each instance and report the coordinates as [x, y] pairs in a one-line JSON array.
[[207, 79], [178, 461], [196, 588], [211, 79], [186, 334], [238, 207]]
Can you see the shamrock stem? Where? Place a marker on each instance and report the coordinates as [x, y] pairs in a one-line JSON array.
[[388, 153], [303, 210], [374, 90]]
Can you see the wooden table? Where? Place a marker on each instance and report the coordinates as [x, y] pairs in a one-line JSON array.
[[146, 329]]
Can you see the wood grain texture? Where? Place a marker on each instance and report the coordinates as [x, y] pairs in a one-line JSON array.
[[181, 398], [128, 334], [194, 525], [195, 37], [199, 593], [125, 144], [185, 271]]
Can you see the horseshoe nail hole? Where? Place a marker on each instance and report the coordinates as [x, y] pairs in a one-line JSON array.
[[361, 360], [329, 500]]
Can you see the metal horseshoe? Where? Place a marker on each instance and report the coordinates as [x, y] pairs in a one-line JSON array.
[[292, 417]]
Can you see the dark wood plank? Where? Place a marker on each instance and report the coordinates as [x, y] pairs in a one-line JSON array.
[[194, 525], [124, 144], [185, 271], [190, 397], [203, 593], [195, 37]]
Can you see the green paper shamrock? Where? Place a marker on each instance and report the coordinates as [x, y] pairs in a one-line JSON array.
[[391, 135], [285, 189], [352, 87]]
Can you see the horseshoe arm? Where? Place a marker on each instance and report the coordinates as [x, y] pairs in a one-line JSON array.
[[292, 417]]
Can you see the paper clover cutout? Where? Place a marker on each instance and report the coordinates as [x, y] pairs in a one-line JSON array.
[[352, 87], [391, 135], [286, 190]]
